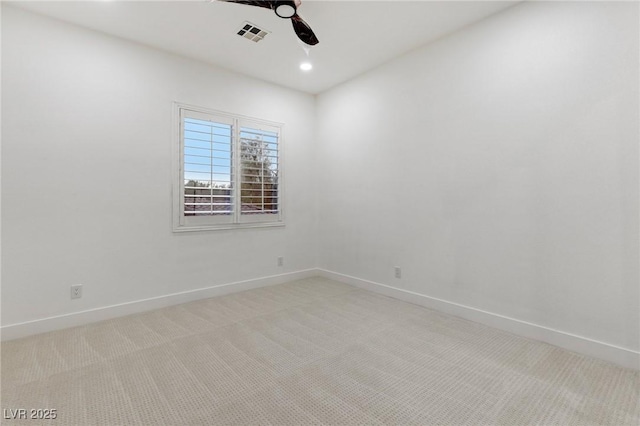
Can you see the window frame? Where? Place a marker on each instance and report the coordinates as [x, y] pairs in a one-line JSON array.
[[236, 220]]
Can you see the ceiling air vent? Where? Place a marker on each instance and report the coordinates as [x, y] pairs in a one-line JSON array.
[[252, 32]]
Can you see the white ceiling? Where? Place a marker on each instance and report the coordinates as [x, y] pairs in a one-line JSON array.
[[355, 36]]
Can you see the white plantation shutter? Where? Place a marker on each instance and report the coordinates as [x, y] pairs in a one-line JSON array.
[[207, 168], [259, 172], [229, 171]]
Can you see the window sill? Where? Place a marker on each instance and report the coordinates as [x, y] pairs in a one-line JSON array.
[[227, 226]]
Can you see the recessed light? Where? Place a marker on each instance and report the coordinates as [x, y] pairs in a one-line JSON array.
[[306, 66]]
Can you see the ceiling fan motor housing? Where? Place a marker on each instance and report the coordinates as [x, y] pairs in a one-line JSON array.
[[285, 9]]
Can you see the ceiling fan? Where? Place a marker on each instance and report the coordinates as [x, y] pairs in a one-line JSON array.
[[285, 10]]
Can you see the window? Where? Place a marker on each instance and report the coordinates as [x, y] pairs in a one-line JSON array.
[[229, 171]]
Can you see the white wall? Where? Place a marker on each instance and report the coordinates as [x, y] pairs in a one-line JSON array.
[[86, 172], [498, 167]]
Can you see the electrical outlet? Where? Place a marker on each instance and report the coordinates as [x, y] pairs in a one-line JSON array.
[[280, 261], [398, 272], [76, 291]]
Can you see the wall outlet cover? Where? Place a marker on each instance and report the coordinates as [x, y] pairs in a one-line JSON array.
[[398, 272], [76, 291]]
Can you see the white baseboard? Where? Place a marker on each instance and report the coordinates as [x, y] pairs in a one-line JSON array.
[[618, 355], [28, 328]]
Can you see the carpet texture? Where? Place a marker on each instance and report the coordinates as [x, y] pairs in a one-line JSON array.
[[312, 351]]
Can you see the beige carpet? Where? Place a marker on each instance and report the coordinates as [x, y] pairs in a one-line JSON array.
[[309, 352]]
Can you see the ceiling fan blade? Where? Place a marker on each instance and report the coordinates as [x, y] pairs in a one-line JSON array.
[[266, 4], [303, 30]]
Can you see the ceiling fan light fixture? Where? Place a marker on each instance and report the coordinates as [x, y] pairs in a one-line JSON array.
[[285, 9]]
